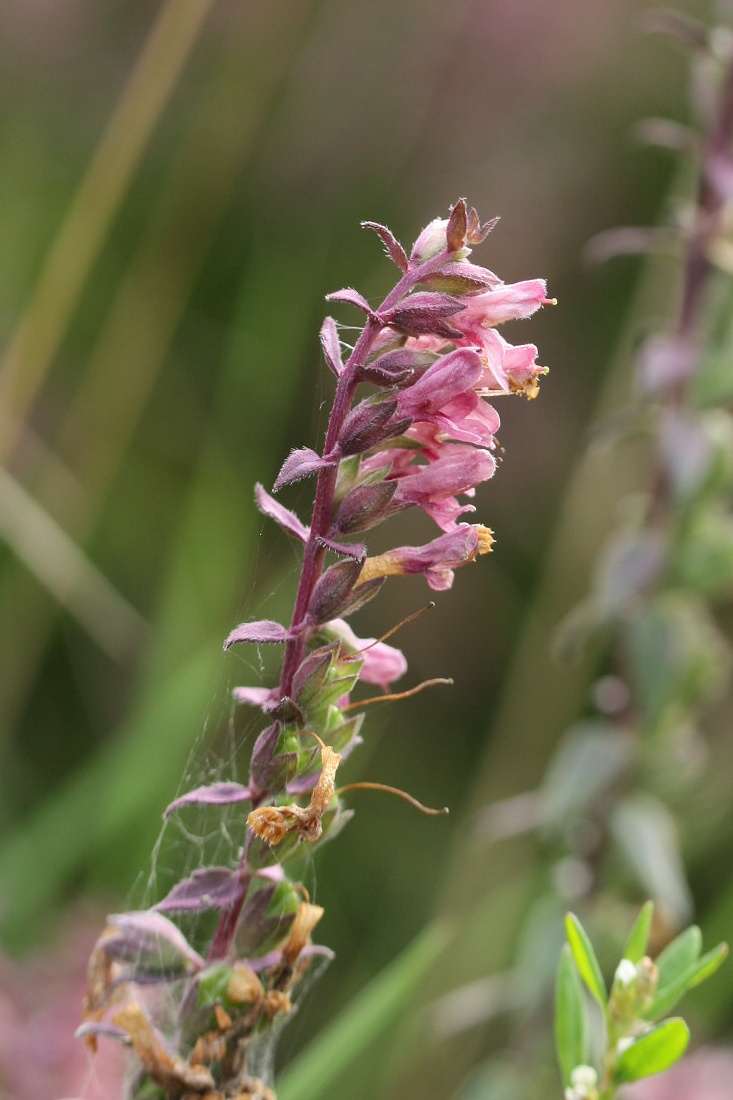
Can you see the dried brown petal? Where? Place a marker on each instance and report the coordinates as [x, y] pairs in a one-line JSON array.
[[244, 987], [165, 1068], [305, 921]]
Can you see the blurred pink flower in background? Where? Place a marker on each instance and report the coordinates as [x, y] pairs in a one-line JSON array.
[[40, 1008], [705, 1075]]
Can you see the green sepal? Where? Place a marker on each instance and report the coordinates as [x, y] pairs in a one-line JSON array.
[[212, 984], [637, 941], [571, 1022], [653, 1052], [585, 959], [339, 731]]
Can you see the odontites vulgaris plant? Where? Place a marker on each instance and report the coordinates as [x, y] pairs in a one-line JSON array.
[[410, 426]]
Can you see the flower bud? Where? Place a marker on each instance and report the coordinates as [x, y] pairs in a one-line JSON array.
[[583, 1084], [431, 241]]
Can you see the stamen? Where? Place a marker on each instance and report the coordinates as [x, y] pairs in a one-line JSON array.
[[393, 630], [367, 786], [393, 696]]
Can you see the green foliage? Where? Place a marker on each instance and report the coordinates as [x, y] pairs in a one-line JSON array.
[[638, 939], [654, 1051], [585, 959], [642, 991]]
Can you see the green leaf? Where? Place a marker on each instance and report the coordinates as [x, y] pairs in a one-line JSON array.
[[637, 942], [370, 1015], [668, 995], [678, 956], [585, 959], [571, 1022], [653, 1052]]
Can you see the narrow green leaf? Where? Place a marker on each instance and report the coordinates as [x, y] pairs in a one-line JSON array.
[[666, 998], [638, 939], [653, 1052], [678, 956], [571, 1023], [373, 1013], [585, 959]]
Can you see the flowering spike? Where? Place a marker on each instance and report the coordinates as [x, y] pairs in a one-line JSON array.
[[424, 439]]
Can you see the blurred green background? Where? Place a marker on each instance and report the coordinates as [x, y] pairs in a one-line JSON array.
[[182, 184]]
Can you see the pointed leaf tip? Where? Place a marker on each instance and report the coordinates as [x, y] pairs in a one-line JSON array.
[[585, 959], [351, 297], [284, 517], [331, 346], [263, 631], [392, 246], [216, 794], [455, 232], [300, 463], [637, 942]]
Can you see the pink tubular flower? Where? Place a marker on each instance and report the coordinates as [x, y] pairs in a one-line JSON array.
[[457, 469], [507, 302], [383, 664], [447, 396], [436, 560], [509, 368]]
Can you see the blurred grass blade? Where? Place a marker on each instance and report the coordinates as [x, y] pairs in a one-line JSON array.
[[126, 786], [367, 1018], [56, 560], [39, 334], [108, 794], [150, 304]]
